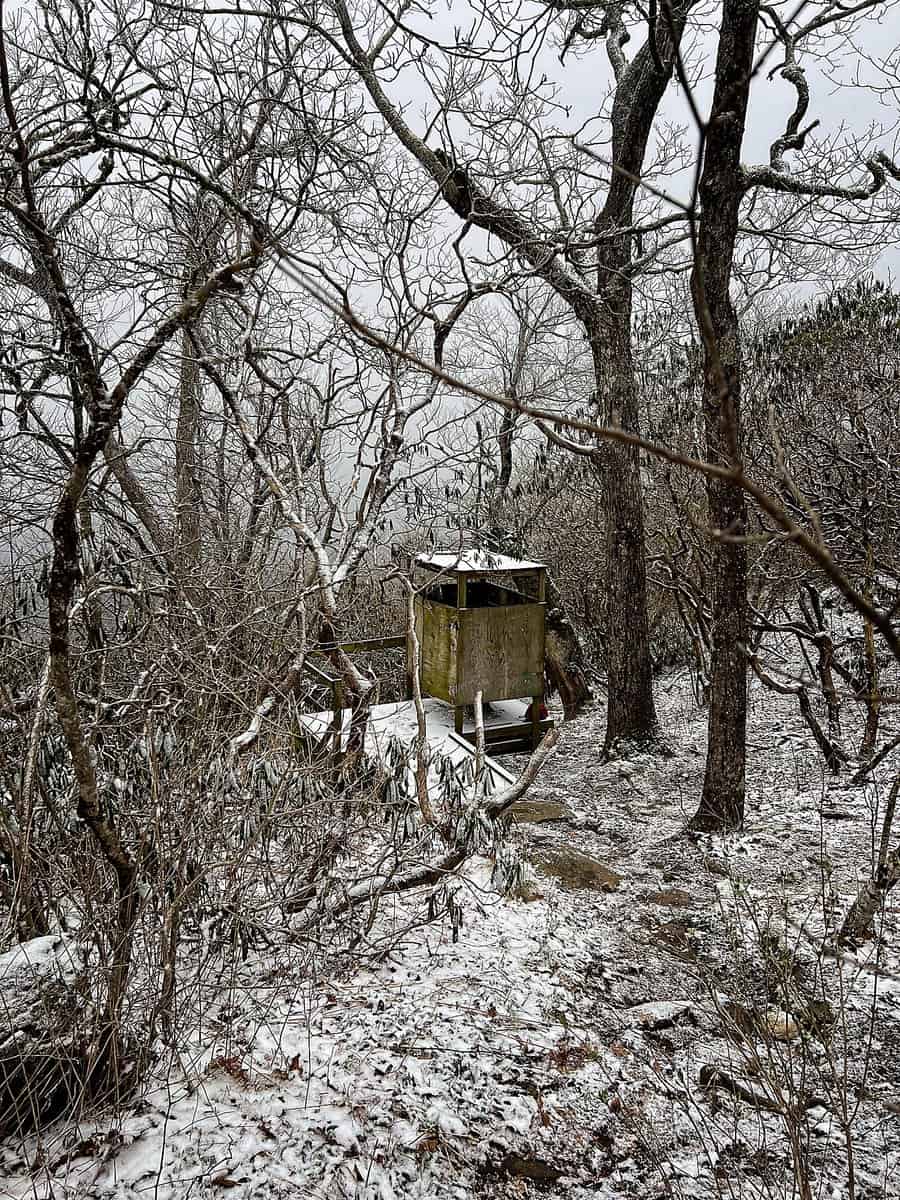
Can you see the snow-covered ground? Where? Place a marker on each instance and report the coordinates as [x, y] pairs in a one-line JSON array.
[[587, 1039]]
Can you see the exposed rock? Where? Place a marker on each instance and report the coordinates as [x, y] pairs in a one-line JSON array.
[[781, 1025], [676, 937], [576, 871], [661, 1014], [534, 812], [752, 1023], [535, 1169]]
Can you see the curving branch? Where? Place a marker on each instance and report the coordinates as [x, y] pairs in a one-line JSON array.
[[777, 175], [552, 422], [793, 138], [465, 197], [880, 166]]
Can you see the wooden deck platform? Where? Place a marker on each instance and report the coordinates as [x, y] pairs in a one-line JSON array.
[[398, 721]]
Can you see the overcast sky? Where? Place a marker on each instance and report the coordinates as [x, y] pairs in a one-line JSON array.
[[851, 95]]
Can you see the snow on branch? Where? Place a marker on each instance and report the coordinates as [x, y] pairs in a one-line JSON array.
[[879, 166], [430, 873], [306, 536]]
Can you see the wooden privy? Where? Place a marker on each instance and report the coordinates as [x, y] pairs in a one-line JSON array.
[[480, 626]]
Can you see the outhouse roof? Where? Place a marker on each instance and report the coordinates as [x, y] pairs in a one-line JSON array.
[[477, 562]]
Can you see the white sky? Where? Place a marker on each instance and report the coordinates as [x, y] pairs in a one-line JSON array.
[[844, 87]]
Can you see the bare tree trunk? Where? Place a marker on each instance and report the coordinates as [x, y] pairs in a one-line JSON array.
[[93, 613], [721, 190], [63, 580], [505, 450], [187, 509], [857, 924], [509, 417], [631, 713], [640, 87], [603, 310], [872, 691], [201, 254], [414, 652]]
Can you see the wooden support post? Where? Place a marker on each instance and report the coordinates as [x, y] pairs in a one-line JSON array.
[[461, 581], [411, 664], [337, 720], [537, 701], [459, 713]]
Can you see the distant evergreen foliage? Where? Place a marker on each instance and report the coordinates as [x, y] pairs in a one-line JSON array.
[[829, 380]]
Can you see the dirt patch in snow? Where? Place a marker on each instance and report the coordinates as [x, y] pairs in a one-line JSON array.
[[575, 871], [535, 812]]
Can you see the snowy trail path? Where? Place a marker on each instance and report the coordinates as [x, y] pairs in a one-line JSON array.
[[555, 1049]]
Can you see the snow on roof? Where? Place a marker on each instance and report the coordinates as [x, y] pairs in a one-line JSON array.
[[476, 560]]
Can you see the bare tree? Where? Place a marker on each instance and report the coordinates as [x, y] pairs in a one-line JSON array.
[[720, 193], [723, 187], [71, 180], [588, 263]]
